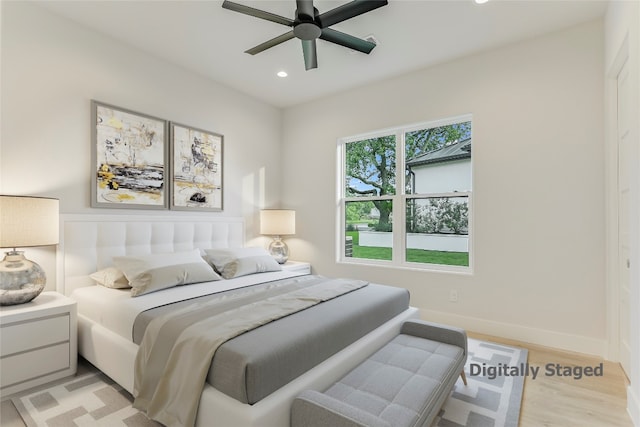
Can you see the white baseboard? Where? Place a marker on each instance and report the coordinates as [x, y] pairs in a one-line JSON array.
[[559, 340], [633, 406]]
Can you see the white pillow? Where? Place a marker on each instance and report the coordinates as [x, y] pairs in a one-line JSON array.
[[238, 262], [154, 272], [110, 277]]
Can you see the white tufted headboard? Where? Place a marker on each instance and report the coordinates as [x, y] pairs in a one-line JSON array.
[[88, 242]]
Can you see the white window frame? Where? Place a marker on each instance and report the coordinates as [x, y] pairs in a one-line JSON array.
[[399, 200]]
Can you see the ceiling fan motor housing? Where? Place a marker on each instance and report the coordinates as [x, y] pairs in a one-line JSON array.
[[305, 27], [307, 31]]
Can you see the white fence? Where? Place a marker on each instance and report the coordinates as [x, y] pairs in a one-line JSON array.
[[430, 242]]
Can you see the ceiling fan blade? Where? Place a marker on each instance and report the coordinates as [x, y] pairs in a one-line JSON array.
[[310, 54], [346, 40], [236, 7], [271, 43], [304, 9], [349, 10]]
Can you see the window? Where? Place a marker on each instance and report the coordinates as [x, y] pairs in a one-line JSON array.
[[405, 196]]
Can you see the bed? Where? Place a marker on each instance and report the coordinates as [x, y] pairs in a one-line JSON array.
[[107, 339]]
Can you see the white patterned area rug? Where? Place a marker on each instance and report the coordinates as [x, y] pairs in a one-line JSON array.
[[492, 398], [93, 399]]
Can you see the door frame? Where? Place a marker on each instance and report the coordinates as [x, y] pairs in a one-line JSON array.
[[612, 257]]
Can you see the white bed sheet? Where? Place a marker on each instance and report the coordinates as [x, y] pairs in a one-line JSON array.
[[116, 310]]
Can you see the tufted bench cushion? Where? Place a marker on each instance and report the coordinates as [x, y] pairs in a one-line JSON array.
[[403, 384]]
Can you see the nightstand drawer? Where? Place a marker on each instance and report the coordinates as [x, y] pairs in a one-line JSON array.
[[25, 366], [28, 335], [38, 342]]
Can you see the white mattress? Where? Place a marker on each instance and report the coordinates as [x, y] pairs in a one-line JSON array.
[[116, 310]]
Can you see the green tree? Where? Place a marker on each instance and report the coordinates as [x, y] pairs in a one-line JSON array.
[[371, 166], [422, 141], [371, 163], [356, 211]]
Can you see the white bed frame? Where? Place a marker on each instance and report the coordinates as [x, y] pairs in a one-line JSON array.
[[88, 242]]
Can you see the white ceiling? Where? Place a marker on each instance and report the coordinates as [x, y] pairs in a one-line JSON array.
[[412, 34]]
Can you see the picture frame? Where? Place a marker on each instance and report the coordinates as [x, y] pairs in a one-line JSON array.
[[196, 168], [129, 166]]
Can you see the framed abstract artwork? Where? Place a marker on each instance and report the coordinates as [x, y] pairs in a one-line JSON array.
[[129, 159], [196, 168]]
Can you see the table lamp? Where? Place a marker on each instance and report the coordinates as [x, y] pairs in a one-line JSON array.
[[24, 222], [278, 223]]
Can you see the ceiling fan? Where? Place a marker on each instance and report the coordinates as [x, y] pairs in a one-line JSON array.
[[310, 25]]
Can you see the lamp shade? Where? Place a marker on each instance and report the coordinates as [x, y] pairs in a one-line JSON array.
[[28, 221], [277, 222]]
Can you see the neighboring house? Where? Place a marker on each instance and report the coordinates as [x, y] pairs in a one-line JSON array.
[[445, 170]]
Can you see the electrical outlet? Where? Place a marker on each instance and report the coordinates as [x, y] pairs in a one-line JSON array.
[[453, 295]]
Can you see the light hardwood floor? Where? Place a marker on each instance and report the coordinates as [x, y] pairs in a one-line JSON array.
[[547, 401]]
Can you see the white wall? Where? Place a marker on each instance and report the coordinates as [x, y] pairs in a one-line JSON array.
[[443, 177], [428, 242], [52, 68], [622, 39], [538, 183]]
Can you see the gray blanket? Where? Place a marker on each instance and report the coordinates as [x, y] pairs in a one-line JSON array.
[[168, 383], [253, 365]]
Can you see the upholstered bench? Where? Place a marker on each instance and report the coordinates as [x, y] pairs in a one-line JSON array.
[[403, 384]]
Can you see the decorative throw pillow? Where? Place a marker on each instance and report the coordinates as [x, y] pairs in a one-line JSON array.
[[110, 277], [154, 272], [238, 262]]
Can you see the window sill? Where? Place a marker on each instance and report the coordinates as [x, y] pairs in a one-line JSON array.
[[425, 268]]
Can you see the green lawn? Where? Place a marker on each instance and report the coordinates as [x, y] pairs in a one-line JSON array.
[[413, 255]]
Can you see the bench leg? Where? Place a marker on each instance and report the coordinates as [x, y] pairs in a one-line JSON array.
[[464, 377]]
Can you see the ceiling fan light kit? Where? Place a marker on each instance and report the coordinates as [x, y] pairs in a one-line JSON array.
[[310, 25]]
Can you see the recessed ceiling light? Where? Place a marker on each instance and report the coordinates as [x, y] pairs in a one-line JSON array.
[[481, 1], [282, 74]]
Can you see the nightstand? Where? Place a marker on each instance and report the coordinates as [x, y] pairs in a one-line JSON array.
[[38, 342], [297, 266]]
